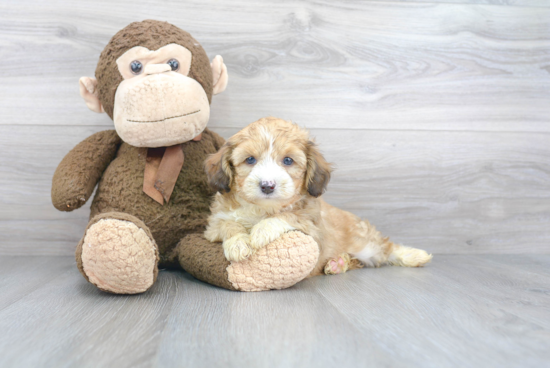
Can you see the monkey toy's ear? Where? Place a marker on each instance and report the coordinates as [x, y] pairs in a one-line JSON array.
[[88, 91], [219, 74]]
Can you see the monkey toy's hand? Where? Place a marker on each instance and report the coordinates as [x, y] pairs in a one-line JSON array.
[[78, 173]]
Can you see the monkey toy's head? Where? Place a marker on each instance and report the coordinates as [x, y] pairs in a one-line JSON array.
[[156, 83]]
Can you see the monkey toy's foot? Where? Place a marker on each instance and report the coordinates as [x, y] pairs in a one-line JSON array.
[[118, 254]]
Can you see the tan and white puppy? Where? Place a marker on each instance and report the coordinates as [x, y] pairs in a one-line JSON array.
[[269, 178]]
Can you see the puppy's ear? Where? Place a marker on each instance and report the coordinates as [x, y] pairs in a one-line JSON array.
[[218, 169], [317, 172]]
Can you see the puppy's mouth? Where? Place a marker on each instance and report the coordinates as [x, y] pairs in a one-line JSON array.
[[276, 196], [271, 196], [261, 197]]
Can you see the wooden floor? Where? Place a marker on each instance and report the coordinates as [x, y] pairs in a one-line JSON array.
[[435, 113], [460, 311]]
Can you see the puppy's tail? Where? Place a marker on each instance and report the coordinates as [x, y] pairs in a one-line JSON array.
[[408, 257], [379, 250]]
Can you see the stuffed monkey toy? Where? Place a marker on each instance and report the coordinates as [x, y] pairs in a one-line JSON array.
[[152, 200]]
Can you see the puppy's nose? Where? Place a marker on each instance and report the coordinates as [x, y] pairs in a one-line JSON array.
[[267, 186]]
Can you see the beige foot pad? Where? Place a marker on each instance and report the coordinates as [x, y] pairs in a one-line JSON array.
[[279, 265], [119, 257]]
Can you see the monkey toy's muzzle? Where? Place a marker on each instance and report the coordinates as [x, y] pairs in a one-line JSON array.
[[160, 108]]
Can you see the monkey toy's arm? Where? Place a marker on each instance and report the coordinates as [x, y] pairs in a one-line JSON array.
[[80, 170]]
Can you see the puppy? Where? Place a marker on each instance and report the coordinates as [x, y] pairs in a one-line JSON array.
[[269, 178]]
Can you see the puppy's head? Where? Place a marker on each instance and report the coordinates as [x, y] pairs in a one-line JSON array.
[[269, 162]]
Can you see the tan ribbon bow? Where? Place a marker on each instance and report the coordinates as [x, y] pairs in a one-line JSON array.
[[162, 168]]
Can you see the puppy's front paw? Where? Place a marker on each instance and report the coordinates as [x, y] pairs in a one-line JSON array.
[[237, 248], [265, 231]]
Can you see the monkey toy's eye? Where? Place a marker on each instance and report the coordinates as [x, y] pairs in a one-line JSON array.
[[251, 160], [136, 67], [174, 64], [287, 161]]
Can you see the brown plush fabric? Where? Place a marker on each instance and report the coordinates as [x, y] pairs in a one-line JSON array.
[[117, 216], [121, 190], [151, 34], [80, 170], [204, 260]]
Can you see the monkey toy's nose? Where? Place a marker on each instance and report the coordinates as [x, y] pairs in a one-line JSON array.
[[267, 186], [156, 68]]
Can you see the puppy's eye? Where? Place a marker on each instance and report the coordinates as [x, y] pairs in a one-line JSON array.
[[136, 67], [251, 160], [288, 161]]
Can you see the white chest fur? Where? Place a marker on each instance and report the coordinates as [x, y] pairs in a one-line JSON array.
[[247, 215]]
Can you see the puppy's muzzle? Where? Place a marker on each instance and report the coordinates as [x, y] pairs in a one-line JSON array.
[[267, 186]]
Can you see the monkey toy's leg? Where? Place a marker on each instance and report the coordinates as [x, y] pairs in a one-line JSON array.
[[279, 265], [118, 254]]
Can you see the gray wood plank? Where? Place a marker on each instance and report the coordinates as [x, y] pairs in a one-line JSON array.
[[459, 311], [448, 192], [290, 328], [535, 263], [375, 65], [474, 311], [22, 275], [69, 323], [42, 237], [527, 3]]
